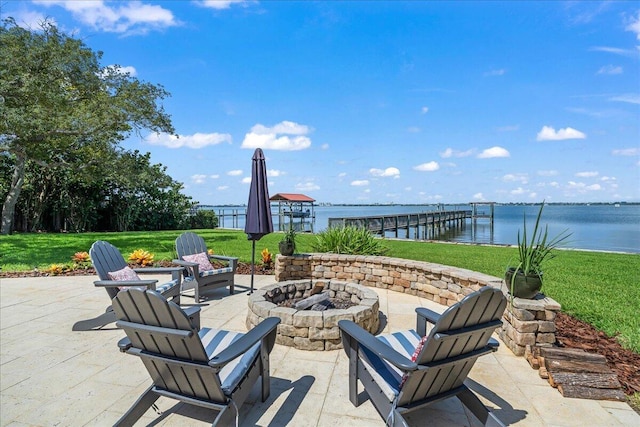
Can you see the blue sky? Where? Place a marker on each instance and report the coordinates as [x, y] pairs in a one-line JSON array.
[[382, 101]]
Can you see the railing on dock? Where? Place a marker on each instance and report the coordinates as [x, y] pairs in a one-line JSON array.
[[426, 225]]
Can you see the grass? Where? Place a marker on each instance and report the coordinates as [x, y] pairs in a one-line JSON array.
[[599, 288]]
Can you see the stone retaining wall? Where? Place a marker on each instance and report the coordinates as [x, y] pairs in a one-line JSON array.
[[525, 322]]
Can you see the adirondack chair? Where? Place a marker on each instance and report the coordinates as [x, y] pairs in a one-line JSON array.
[[200, 275], [107, 259], [409, 370], [211, 368]]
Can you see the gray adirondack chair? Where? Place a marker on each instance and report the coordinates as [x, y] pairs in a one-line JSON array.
[[107, 258], [211, 368], [397, 385], [203, 281]]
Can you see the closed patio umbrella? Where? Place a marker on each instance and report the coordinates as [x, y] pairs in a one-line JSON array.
[[259, 222]]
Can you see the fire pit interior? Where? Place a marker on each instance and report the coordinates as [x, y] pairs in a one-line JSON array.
[[310, 311]]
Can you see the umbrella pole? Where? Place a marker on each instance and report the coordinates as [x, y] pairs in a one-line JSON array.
[[253, 263]]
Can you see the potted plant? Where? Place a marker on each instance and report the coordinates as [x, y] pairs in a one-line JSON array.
[[525, 279], [287, 245]]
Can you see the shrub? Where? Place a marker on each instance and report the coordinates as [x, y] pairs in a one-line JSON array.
[[348, 240], [141, 257], [203, 219], [56, 269]]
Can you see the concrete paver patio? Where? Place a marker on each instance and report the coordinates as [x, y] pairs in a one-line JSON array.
[[50, 375]]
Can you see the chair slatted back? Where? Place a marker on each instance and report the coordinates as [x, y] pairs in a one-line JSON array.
[[168, 344], [189, 244], [456, 341], [105, 258]]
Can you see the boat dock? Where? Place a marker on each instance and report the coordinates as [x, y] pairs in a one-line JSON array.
[[425, 225]]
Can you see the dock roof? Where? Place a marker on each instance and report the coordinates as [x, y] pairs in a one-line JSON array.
[[291, 197]]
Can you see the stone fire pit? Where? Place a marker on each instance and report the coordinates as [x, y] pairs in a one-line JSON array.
[[313, 330]]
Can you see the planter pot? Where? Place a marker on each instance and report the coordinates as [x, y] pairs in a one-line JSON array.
[[286, 248], [523, 286]]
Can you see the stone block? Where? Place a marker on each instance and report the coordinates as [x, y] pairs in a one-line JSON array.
[[546, 327], [307, 344], [332, 318], [292, 331], [523, 339], [332, 344], [308, 319], [324, 333], [262, 308], [548, 338], [285, 314]]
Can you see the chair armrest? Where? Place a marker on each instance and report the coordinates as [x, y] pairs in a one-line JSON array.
[[193, 266], [233, 261], [425, 315], [157, 270], [158, 330], [244, 343], [149, 283], [371, 343]]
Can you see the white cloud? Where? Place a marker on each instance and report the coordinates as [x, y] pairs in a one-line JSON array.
[[634, 26], [582, 187], [478, 196], [246, 180], [219, 4], [549, 134], [236, 172], [518, 191], [424, 110], [276, 137], [126, 17], [493, 73], [360, 183], [307, 186], [272, 173], [197, 140], [588, 174], [427, 167], [216, 176], [610, 69], [548, 173], [518, 177], [123, 70], [388, 172], [198, 178], [450, 152], [222, 188], [616, 51], [631, 98], [342, 174], [413, 129], [31, 20], [324, 146], [493, 152], [626, 152]]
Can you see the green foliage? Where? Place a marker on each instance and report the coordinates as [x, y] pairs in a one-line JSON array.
[[203, 219], [533, 253], [349, 240], [62, 113]]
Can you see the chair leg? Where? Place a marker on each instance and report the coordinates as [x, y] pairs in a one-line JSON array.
[[475, 405], [353, 376], [138, 409], [264, 372]]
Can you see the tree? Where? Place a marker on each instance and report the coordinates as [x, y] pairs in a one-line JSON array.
[[56, 99]]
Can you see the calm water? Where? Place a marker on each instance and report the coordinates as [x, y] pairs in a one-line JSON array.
[[594, 227]]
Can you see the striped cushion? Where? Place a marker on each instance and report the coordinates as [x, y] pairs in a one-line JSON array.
[[216, 340], [387, 376], [167, 286], [216, 271]]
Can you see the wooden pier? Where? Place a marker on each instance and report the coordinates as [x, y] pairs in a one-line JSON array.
[[426, 225]]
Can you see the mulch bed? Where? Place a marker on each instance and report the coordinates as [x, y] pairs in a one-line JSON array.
[[570, 332]]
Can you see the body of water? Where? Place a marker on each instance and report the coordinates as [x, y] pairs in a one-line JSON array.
[[593, 227]]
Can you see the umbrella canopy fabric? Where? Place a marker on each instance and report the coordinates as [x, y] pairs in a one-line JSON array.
[[259, 222]]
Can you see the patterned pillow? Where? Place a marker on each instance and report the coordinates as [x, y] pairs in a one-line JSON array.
[[414, 358], [202, 259], [124, 274], [418, 349]]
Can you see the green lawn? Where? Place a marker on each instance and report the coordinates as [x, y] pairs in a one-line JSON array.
[[600, 288]]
